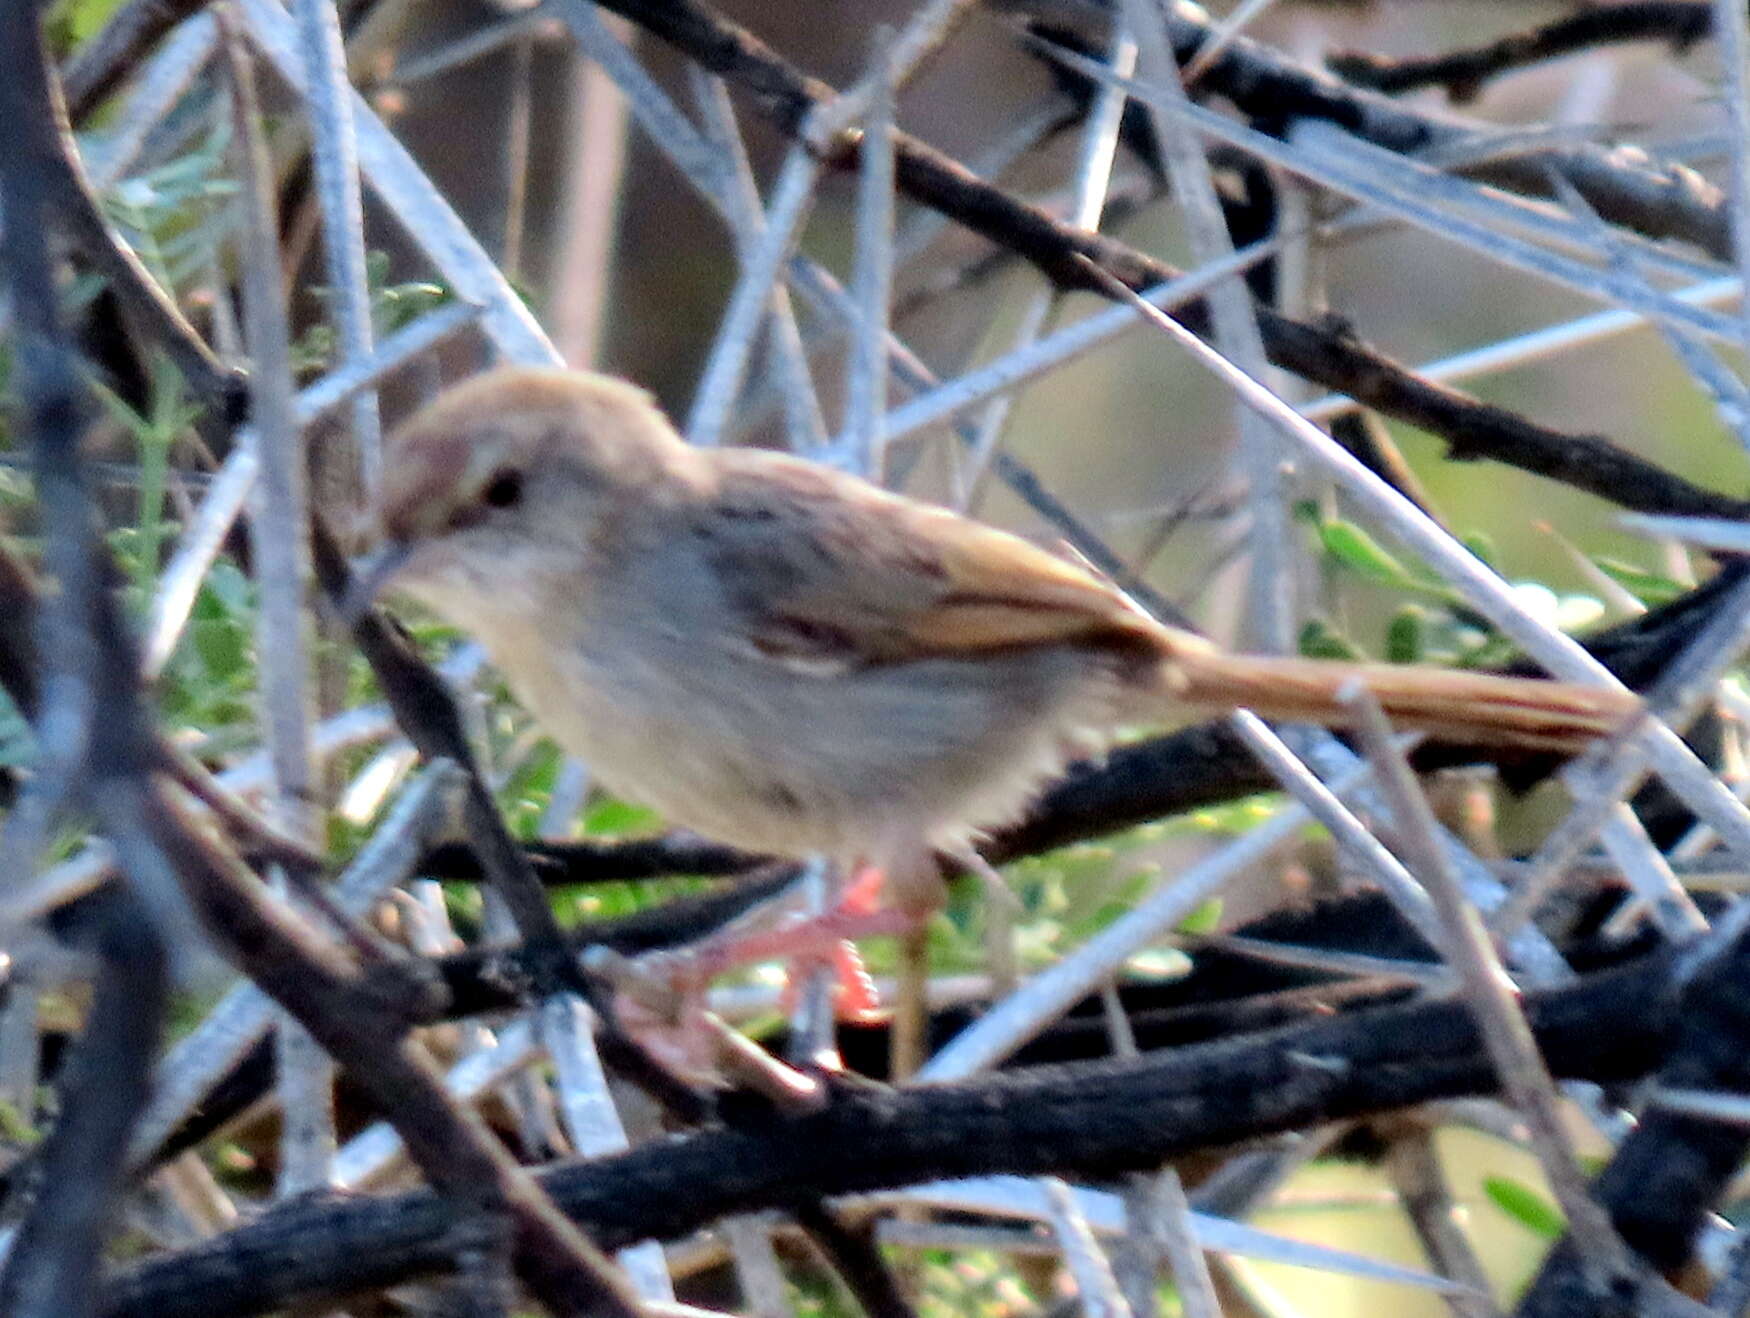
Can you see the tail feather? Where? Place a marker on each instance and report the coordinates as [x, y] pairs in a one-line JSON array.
[[1474, 708]]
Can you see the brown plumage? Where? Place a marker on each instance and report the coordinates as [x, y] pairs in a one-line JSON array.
[[790, 659]]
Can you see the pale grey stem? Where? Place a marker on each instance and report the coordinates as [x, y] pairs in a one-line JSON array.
[[1087, 1262], [921, 37], [1532, 954], [1356, 839], [592, 1123], [1730, 398], [156, 90], [1041, 999], [94, 863], [1564, 657], [1605, 774], [720, 382], [1535, 345], [533, 21], [1272, 608], [570, 790], [1413, 193], [514, 167], [1421, 196], [1414, 1168], [941, 401], [1710, 1104], [20, 1044], [812, 1040], [328, 105], [416, 204], [1093, 177], [1673, 910], [1222, 36], [1731, 30], [375, 1151], [1491, 996], [747, 219], [1135, 1254], [699, 160], [227, 492], [763, 1291], [280, 550], [872, 272], [181, 579], [1422, 974], [1174, 1232], [1023, 1198], [1579, 229]]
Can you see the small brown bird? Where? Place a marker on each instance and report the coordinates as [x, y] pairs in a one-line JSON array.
[[789, 659]]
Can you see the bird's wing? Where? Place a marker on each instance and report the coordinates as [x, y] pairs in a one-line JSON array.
[[827, 570]]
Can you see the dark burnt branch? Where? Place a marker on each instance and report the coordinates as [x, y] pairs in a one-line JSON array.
[[74, 209], [1326, 353], [366, 1030], [854, 1256], [1626, 186], [1671, 1170], [1463, 73], [96, 69], [1096, 1119], [92, 723]]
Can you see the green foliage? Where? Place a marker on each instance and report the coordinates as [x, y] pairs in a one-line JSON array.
[[177, 215], [169, 412], [1530, 1208], [393, 307], [70, 22]]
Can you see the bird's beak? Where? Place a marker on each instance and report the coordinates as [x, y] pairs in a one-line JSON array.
[[370, 574]]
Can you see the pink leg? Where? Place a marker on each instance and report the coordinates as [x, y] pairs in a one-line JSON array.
[[824, 938]]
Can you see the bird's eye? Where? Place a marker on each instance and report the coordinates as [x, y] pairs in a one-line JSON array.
[[505, 490]]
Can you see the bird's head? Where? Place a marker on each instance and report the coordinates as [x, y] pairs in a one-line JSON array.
[[508, 480]]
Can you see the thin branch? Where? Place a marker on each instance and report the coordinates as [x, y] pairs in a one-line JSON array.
[[280, 555], [1328, 356], [1464, 73], [99, 65], [1489, 994], [328, 103]]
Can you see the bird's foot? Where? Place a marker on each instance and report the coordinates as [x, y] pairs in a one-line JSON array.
[[661, 997]]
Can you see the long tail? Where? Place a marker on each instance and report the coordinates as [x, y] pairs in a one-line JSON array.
[[1475, 708]]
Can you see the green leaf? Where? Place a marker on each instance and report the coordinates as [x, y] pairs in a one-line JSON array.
[[1319, 640], [612, 816], [1530, 1208], [1406, 636], [1204, 920], [1355, 548], [1481, 545], [1650, 588]]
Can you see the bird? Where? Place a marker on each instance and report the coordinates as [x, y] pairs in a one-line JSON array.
[[782, 656]]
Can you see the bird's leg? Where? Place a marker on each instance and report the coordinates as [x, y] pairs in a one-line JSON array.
[[809, 942]]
